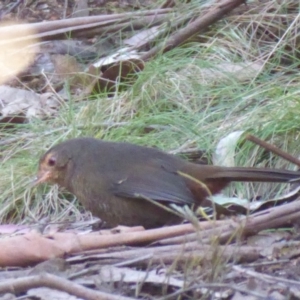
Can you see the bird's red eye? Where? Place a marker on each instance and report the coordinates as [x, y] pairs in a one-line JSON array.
[[51, 161]]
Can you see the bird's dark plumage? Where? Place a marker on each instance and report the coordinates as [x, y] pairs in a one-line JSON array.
[[111, 179]]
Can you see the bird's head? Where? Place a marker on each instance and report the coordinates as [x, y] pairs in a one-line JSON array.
[[54, 166]]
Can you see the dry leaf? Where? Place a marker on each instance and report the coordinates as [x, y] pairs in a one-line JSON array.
[[26, 104], [225, 150], [114, 274], [143, 37]]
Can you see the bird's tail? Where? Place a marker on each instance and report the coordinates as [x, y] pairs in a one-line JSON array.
[[255, 174]]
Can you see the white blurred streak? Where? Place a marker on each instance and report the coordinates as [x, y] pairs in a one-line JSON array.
[[15, 53]]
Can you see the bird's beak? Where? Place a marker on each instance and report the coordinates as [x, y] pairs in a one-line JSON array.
[[40, 178]]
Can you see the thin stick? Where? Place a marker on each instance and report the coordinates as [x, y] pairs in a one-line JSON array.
[[199, 25], [51, 281], [273, 149]]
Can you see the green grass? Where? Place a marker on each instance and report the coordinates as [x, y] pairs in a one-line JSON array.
[[172, 105]]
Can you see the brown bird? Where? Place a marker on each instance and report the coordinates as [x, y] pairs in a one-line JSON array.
[[113, 179]]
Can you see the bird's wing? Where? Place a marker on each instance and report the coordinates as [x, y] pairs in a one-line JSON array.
[[157, 183]]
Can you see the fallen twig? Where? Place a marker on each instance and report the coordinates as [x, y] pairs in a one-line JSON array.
[[286, 283], [201, 23], [273, 149], [55, 282]]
